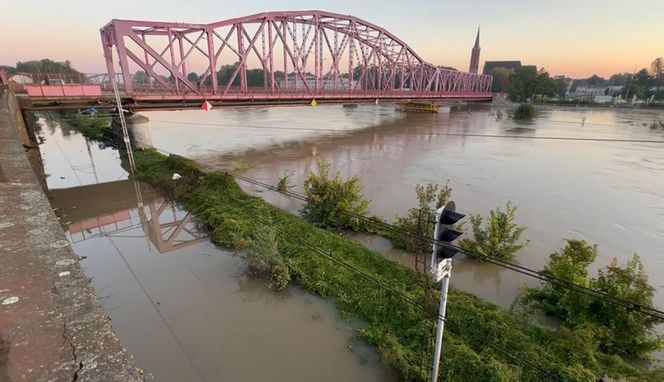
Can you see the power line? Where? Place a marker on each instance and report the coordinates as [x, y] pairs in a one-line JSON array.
[[512, 136], [156, 308], [505, 136], [298, 240], [542, 276]]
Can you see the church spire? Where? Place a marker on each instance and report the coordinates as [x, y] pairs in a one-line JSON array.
[[475, 54], [477, 39]]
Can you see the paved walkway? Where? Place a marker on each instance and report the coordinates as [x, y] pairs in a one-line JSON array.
[[52, 327]]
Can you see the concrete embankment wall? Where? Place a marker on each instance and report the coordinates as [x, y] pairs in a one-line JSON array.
[[52, 328]]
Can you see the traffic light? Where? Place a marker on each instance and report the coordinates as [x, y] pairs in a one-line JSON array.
[[444, 232], [441, 267]]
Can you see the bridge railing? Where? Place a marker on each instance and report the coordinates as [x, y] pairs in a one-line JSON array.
[[98, 84], [19, 82], [260, 93]]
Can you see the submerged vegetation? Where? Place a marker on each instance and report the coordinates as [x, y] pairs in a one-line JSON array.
[[499, 237], [263, 258], [482, 342], [657, 125], [613, 328], [286, 181], [524, 112], [418, 220], [332, 201]]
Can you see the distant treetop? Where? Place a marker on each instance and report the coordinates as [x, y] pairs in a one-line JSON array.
[[45, 66]]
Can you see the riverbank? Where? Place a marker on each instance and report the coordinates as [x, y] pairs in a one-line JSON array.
[[483, 342], [52, 327]]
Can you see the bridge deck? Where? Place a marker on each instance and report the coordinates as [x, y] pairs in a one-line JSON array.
[[155, 100]]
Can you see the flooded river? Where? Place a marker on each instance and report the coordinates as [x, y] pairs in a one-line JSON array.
[[610, 193], [186, 309], [183, 308]]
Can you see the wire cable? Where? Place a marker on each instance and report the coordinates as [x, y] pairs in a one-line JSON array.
[[437, 134], [542, 276], [156, 308], [298, 240], [511, 136]]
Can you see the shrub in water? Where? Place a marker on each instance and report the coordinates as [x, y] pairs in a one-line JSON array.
[[525, 111], [614, 329], [429, 198], [331, 201], [499, 237]]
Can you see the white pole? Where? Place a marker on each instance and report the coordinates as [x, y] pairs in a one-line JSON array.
[[441, 325], [123, 125]]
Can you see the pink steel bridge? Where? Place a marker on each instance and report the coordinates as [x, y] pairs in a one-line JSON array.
[[276, 57]]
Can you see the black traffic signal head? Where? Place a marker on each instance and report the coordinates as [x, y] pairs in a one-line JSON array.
[[446, 217]]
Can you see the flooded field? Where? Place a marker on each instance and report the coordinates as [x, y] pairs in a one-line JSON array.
[[607, 192], [184, 308]]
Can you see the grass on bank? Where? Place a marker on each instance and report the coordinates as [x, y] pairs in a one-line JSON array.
[[94, 128], [482, 342]]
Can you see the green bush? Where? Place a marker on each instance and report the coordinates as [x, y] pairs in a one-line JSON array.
[[285, 181], [614, 329], [429, 198], [482, 341], [499, 237], [525, 111], [329, 196]]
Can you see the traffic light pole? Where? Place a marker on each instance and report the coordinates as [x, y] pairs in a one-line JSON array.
[[441, 320], [441, 268]]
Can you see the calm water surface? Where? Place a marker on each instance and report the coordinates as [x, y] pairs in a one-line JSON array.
[[608, 193], [184, 308]]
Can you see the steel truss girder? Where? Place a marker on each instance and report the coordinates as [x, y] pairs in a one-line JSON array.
[[376, 59]]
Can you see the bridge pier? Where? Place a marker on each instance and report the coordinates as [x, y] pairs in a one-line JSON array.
[[138, 127]]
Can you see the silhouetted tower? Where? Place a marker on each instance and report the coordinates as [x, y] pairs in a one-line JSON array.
[[475, 55]]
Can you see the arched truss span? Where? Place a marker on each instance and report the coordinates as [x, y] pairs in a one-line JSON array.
[[311, 53]]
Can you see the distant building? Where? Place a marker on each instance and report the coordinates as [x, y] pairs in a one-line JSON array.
[[21, 79], [475, 55], [591, 90], [489, 66], [614, 89], [596, 94]]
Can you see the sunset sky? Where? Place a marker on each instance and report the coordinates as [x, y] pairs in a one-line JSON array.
[[572, 37]]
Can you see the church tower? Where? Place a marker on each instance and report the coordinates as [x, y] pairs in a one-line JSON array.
[[475, 55]]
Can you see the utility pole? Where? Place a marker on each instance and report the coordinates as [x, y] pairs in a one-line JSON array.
[[630, 84], [441, 269]]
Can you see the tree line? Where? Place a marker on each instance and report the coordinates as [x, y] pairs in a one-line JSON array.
[[527, 83], [44, 65]]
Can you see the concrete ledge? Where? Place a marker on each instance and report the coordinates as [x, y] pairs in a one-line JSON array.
[[52, 327]]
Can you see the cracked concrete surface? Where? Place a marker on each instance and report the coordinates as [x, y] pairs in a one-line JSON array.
[[52, 327]]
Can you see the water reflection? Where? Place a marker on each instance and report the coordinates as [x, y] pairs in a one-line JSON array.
[[605, 192], [184, 308], [166, 227]]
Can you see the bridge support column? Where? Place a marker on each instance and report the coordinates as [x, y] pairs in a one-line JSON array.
[[139, 131], [138, 127]]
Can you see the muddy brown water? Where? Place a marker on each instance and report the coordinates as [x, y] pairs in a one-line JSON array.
[[5, 345], [608, 193], [184, 308]]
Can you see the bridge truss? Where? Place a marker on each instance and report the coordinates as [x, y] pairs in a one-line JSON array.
[[277, 55]]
